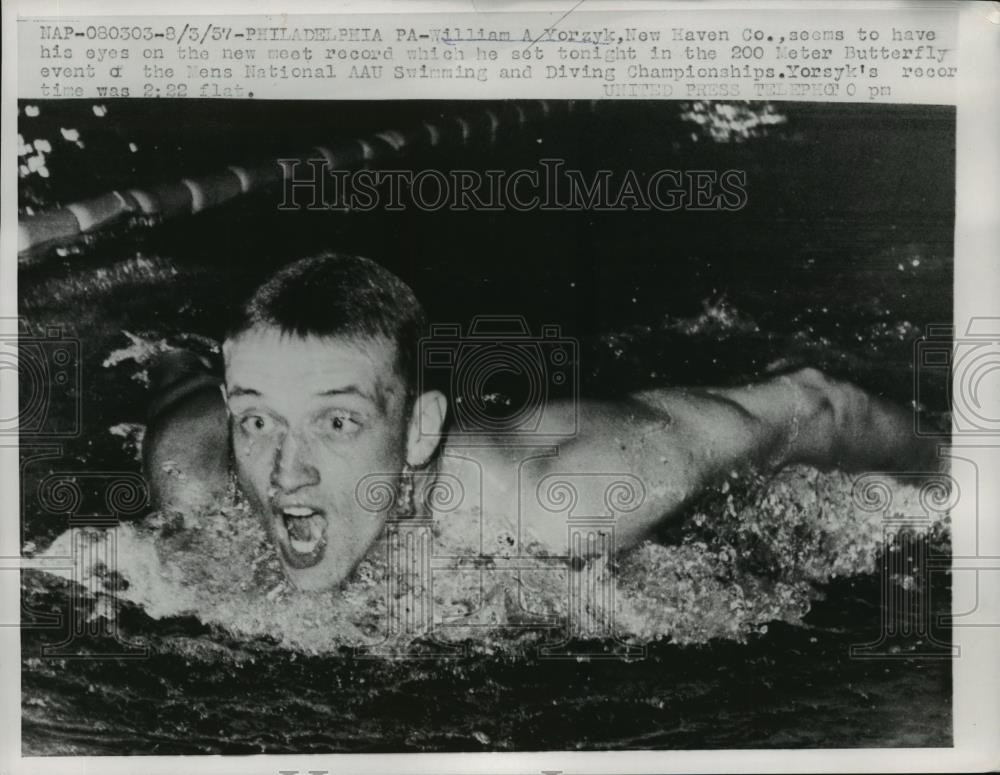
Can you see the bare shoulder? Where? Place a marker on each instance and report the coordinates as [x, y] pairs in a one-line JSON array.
[[539, 482], [186, 452]]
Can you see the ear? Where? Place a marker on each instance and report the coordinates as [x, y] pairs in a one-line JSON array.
[[426, 424]]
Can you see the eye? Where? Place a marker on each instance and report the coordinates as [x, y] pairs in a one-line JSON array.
[[256, 424], [339, 423]]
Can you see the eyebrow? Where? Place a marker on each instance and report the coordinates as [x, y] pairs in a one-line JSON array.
[[241, 391], [354, 390]]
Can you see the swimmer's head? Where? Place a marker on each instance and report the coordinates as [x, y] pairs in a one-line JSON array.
[[321, 385]]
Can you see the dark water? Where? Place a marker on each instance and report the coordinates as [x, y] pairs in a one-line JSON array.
[[841, 257]]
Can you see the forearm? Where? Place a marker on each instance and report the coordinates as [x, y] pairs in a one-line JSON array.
[[831, 423]]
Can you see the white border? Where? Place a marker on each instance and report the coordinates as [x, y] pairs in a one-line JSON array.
[[977, 293]]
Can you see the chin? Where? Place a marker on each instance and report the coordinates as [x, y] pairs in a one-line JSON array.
[[313, 580]]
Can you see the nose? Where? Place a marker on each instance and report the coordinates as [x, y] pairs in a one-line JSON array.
[[293, 468]]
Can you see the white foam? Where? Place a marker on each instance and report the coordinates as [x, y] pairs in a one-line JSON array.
[[752, 555]]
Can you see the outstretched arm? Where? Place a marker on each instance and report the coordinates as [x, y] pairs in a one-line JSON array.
[[836, 424], [678, 442]]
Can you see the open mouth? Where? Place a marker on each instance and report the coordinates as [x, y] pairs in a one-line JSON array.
[[303, 537]]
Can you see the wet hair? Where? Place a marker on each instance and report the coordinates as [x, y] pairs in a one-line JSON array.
[[336, 295]]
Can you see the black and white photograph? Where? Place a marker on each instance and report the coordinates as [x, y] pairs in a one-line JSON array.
[[551, 388], [456, 426]]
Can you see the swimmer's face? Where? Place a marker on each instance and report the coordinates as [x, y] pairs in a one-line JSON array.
[[310, 419]]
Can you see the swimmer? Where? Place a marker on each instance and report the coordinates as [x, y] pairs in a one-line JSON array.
[[320, 391]]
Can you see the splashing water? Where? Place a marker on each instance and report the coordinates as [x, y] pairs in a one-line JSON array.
[[754, 552], [732, 122]]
